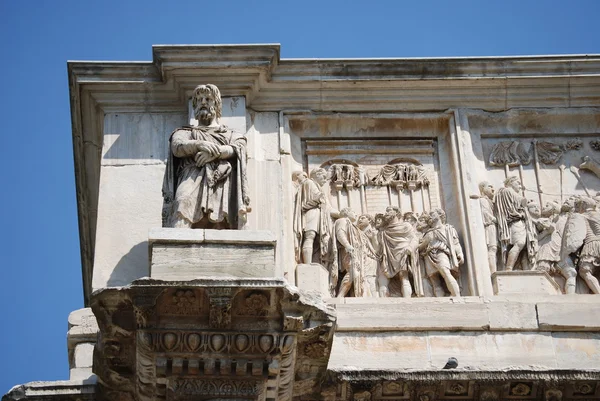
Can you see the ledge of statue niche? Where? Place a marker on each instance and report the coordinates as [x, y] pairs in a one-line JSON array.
[[182, 254]]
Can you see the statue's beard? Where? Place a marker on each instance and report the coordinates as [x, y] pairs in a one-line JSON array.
[[205, 115]]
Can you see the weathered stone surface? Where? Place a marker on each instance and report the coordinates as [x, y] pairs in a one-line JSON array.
[[512, 316], [83, 330], [380, 351], [577, 351], [84, 355], [313, 277], [569, 317], [122, 235], [187, 254], [78, 389], [417, 314], [524, 282]]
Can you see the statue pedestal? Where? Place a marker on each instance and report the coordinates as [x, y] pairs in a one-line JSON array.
[[188, 254], [313, 277], [524, 282]]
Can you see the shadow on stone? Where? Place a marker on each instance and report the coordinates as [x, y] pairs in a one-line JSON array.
[[133, 265]]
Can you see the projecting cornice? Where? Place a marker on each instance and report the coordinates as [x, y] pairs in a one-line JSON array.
[[410, 84]]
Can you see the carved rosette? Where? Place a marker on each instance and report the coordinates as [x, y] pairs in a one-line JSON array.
[[210, 339]]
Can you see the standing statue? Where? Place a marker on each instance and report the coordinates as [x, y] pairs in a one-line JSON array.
[[514, 226], [441, 251], [365, 225], [351, 250], [311, 216], [549, 257], [489, 223], [398, 242], [589, 256], [205, 184]]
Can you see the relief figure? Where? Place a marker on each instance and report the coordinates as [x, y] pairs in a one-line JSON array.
[[551, 245], [351, 251], [515, 228], [399, 257], [441, 251], [486, 201], [311, 216]]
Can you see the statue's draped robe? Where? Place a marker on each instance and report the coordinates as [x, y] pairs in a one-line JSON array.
[[398, 243], [442, 250], [487, 212], [341, 261], [549, 253], [217, 192], [312, 213], [514, 221]]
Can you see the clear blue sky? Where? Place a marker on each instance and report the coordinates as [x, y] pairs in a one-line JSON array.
[[39, 244]]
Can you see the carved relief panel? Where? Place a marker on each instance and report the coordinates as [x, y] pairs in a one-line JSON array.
[[372, 212], [544, 208]]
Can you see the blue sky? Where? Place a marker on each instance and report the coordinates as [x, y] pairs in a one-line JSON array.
[[39, 246]]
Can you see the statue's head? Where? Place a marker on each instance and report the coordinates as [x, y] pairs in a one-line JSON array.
[[486, 189], [568, 205], [319, 175], [349, 213], [534, 209], [364, 221], [550, 208], [513, 182], [207, 103], [378, 220], [299, 176], [424, 221], [411, 218], [441, 214], [585, 204]]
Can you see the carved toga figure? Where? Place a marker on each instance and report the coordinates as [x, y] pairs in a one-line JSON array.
[[311, 216], [489, 222], [442, 252], [205, 183], [351, 252], [515, 227], [398, 243]]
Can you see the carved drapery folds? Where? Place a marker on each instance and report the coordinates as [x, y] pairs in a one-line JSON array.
[[254, 340], [546, 212], [385, 254]]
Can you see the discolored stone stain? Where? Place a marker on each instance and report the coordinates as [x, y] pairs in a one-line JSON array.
[[344, 125], [570, 345], [386, 344], [396, 68]]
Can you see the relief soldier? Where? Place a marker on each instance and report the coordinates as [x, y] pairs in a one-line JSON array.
[[441, 251], [311, 216], [515, 227], [489, 223]]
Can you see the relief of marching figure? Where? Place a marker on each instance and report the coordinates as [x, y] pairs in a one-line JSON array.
[[312, 217], [518, 242]]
